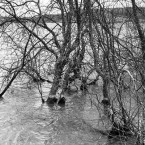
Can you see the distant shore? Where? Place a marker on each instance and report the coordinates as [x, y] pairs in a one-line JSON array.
[[119, 13]]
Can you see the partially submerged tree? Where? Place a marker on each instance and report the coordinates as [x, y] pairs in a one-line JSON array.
[[56, 43], [115, 57], [82, 37]]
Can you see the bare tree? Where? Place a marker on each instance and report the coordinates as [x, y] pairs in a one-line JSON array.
[[82, 37]]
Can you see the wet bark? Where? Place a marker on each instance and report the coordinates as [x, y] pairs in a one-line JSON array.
[[66, 81], [57, 77], [106, 98]]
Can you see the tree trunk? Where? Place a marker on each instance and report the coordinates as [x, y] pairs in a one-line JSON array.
[[66, 79], [57, 77], [59, 66], [105, 88]]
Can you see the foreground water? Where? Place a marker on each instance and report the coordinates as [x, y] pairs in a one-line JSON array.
[[25, 121]]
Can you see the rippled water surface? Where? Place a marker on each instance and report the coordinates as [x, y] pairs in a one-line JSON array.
[[25, 121]]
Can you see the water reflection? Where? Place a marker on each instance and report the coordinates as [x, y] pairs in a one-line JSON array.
[[25, 121]]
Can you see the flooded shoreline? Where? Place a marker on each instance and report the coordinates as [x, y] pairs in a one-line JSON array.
[[24, 120]]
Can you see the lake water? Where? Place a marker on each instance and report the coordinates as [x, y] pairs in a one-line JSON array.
[[25, 121]]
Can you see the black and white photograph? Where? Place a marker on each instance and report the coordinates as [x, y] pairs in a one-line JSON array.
[[72, 72]]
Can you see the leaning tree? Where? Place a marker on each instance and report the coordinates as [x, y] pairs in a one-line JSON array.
[[45, 45]]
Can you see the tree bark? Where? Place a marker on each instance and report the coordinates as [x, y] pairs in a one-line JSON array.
[[57, 77]]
